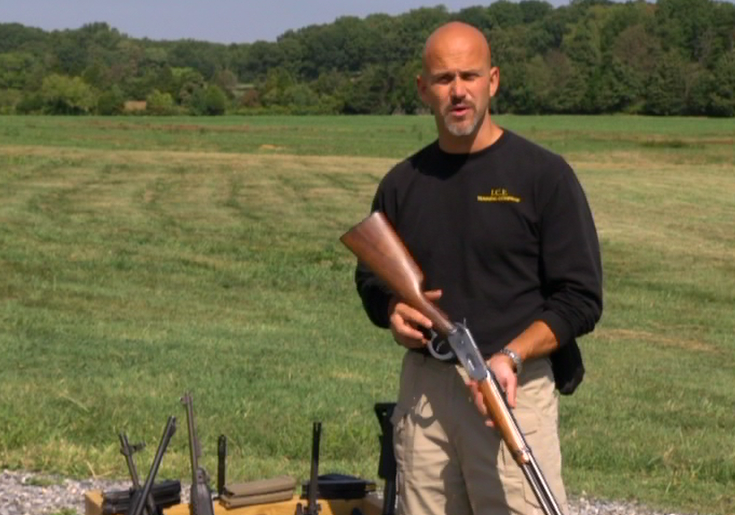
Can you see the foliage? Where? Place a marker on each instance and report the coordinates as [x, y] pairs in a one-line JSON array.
[[67, 95], [208, 101], [111, 102], [606, 57], [160, 103], [9, 99]]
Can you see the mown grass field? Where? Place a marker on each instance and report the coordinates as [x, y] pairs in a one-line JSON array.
[[140, 258]]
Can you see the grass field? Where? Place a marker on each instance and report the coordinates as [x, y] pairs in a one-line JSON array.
[[140, 258]]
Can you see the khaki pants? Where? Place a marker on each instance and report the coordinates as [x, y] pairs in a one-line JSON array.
[[450, 462]]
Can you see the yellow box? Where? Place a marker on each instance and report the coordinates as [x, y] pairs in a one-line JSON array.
[[370, 505]]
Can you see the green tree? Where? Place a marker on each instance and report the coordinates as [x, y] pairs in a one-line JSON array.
[[67, 95], [476, 16], [617, 88], [299, 97], [15, 69], [505, 14], [534, 10], [722, 95], [186, 82], [208, 101], [9, 99], [159, 103], [370, 93], [226, 80], [666, 88], [30, 103], [405, 93], [273, 90], [111, 102], [686, 25], [16, 37]]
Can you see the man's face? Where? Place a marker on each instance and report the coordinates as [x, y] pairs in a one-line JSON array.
[[457, 83]]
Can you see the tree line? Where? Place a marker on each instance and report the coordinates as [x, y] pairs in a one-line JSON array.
[[672, 57]]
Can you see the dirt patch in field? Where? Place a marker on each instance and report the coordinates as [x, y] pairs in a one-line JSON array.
[[334, 164], [643, 139], [103, 124], [655, 339]]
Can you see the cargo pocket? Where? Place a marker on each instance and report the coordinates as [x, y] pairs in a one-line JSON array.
[[401, 418], [518, 493], [543, 440]]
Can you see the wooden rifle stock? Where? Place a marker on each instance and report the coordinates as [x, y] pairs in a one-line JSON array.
[[377, 246]]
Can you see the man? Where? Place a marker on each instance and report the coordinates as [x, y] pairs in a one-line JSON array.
[[503, 233]]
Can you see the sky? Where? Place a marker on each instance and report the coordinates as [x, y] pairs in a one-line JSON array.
[[221, 21]]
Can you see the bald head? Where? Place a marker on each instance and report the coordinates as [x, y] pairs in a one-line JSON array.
[[457, 83], [453, 39]]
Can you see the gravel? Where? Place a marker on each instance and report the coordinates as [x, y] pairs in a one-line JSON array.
[[29, 493]]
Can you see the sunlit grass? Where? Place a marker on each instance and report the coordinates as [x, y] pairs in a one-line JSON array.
[[142, 258]]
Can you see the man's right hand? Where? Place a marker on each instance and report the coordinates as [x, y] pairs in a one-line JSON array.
[[406, 323]]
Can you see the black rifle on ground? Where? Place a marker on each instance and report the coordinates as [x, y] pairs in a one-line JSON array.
[[312, 506], [221, 464], [200, 501], [128, 450], [377, 246], [141, 496], [387, 463]]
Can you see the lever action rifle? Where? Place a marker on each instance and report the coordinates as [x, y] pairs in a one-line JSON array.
[[200, 499], [377, 246]]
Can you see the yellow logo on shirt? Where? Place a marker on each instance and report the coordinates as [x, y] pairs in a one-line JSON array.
[[498, 195]]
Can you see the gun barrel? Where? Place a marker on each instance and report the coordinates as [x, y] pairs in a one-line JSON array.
[[127, 450], [221, 464], [540, 488], [201, 495], [194, 450], [313, 494], [142, 499]]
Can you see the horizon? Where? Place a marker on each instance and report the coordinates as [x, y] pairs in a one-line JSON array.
[[220, 23]]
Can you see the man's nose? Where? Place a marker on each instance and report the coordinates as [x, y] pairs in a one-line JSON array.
[[458, 89]]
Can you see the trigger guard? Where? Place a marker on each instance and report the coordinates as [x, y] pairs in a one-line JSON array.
[[446, 356]]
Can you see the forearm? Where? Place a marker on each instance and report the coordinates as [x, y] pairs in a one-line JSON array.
[[375, 297], [536, 341]]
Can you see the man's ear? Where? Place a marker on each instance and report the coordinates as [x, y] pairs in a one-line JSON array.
[[421, 87], [494, 81]]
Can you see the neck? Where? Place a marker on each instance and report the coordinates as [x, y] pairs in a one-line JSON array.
[[485, 135]]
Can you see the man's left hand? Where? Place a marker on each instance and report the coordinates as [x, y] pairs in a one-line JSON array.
[[502, 366]]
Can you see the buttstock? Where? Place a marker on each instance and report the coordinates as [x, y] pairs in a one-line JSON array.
[[376, 244]]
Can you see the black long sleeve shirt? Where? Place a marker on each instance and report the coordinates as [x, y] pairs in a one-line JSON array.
[[505, 232]]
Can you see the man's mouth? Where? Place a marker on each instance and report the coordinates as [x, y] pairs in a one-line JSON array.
[[459, 110]]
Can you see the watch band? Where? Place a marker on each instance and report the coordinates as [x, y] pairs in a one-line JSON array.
[[517, 361]]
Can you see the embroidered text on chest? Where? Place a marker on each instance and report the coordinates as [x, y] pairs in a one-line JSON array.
[[498, 195]]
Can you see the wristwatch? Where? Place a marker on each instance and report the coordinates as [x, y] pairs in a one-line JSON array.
[[517, 361]]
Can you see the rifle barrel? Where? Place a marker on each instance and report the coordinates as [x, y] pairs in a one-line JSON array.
[[137, 507]]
